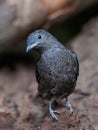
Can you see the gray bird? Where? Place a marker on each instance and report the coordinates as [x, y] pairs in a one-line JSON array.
[[57, 68]]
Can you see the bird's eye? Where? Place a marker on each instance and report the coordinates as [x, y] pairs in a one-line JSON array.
[[39, 36]]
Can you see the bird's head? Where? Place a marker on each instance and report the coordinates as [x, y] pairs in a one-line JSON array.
[[39, 40]]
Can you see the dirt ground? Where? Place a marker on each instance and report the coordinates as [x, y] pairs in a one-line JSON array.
[[20, 109]]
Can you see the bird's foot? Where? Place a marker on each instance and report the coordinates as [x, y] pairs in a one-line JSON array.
[[68, 105], [52, 112]]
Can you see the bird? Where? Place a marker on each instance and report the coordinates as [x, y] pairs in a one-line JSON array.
[[57, 69]]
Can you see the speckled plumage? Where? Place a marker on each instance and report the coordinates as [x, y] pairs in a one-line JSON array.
[[57, 69]]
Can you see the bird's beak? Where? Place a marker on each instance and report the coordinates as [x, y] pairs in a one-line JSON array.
[[28, 48]]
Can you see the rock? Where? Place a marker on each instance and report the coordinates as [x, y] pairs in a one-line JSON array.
[[18, 18]]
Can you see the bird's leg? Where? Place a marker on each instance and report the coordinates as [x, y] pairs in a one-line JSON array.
[[68, 105], [52, 112]]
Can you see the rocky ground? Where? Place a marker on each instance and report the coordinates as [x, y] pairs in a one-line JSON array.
[[21, 110]]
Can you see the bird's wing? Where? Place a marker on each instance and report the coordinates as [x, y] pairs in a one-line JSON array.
[[74, 55], [37, 75]]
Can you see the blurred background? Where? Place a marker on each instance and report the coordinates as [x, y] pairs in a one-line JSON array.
[[75, 24]]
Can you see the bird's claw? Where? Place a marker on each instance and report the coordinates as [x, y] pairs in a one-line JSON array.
[[52, 112], [68, 105], [57, 112], [71, 112]]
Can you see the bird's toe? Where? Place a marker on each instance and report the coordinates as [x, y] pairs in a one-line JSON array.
[[52, 113]]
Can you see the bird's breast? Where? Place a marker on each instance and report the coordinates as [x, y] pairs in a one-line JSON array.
[[57, 64]]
